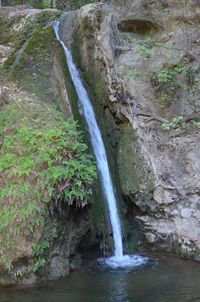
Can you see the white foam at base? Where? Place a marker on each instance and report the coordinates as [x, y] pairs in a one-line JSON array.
[[125, 261]]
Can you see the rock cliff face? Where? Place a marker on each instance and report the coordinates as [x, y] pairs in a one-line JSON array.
[[140, 60]]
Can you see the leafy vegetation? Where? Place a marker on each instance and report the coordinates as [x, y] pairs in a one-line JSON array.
[[166, 82], [42, 159], [145, 47], [172, 77], [179, 123], [134, 73]]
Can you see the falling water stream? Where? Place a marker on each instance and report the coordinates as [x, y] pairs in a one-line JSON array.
[[102, 163]]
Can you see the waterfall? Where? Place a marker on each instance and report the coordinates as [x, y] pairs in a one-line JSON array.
[[100, 154]]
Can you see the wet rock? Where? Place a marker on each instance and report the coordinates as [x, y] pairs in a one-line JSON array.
[[58, 268]]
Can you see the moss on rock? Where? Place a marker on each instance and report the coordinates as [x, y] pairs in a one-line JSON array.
[[43, 164], [33, 69], [134, 178], [20, 28]]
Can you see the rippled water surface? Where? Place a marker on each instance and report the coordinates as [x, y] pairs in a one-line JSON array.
[[162, 280]]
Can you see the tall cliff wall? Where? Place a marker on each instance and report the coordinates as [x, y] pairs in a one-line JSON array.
[[143, 59]]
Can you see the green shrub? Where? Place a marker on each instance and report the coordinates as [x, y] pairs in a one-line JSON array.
[[166, 81]]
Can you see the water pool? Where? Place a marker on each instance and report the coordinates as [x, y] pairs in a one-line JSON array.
[[161, 280]]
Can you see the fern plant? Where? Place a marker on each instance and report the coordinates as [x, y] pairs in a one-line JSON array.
[[42, 158]]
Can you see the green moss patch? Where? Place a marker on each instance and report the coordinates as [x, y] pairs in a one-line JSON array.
[[34, 66], [42, 159], [17, 30], [134, 176]]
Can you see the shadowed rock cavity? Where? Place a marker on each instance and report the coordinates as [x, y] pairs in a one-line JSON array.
[[138, 26]]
